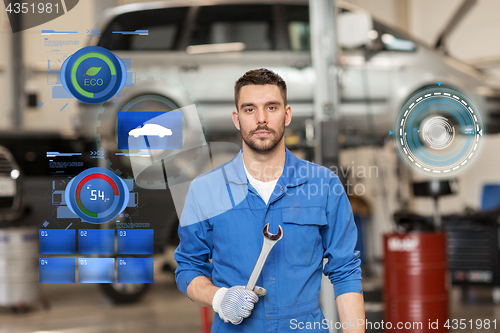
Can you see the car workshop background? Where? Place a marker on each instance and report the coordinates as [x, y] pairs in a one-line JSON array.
[[385, 182]]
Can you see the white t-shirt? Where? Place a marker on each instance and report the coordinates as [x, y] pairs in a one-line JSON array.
[[265, 189]]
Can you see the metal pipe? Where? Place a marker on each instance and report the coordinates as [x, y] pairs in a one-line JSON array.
[[17, 72], [325, 63], [325, 60]]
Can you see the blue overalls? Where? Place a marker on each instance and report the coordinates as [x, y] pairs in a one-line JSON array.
[[223, 219]]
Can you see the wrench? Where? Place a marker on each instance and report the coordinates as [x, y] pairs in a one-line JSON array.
[[269, 241]]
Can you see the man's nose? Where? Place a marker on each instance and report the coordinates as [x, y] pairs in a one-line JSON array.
[[261, 116]]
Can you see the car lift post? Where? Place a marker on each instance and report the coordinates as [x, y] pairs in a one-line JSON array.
[[326, 112]]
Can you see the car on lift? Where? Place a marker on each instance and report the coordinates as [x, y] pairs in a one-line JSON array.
[[194, 52]]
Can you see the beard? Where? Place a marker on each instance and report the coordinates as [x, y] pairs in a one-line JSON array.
[[265, 144]]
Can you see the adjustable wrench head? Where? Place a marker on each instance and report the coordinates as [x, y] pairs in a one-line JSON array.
[[273, 237]]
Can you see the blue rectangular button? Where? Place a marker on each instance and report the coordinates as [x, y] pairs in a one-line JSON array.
[[135, 241], [149, 130], [96, 270], [135, 270], [56, 270], [57, 241], [96, 241]]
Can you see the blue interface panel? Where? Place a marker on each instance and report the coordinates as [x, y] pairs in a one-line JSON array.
[[99, 242], [96, 270], [57, 270], [96, 241], [135, 270], [57, 241], [135, 241]]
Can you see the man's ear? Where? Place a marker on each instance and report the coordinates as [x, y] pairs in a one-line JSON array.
[[288, 115], [236, 119]]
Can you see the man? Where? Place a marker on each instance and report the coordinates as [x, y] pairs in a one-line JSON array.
[[227, 208]]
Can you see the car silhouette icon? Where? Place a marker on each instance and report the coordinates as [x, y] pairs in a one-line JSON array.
[[150, 130]]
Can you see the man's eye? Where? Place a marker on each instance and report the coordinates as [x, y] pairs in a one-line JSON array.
[[272, 108], [248, 110]]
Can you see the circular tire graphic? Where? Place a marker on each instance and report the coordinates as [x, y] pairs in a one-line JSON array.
[[439, 132]]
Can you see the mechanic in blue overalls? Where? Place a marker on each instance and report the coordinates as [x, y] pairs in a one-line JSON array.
[[226, 209]]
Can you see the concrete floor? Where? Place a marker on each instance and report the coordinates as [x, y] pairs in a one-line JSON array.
[[76, 308], [475, 304]]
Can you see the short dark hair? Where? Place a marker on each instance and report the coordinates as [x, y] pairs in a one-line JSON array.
[[259, 76]]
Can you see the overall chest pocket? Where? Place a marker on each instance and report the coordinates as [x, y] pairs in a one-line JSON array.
[[302, 237]]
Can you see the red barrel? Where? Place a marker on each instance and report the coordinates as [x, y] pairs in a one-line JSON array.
[[416, 282]]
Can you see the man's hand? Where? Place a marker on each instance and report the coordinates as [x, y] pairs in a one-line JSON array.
[[202, 291], [236, 303]]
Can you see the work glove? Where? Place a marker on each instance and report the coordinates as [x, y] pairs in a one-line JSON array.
[[236, 303]]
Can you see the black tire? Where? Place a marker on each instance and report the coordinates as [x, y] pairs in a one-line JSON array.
[[123, 293]]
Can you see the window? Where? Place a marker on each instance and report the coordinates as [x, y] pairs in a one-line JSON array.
[[251, 25], [160, 38], [164, 26]]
